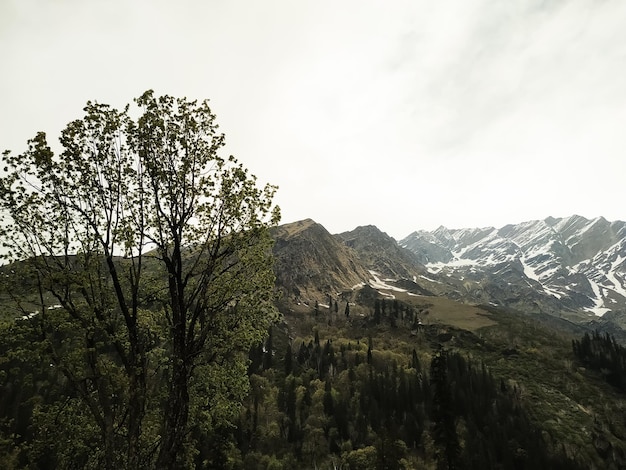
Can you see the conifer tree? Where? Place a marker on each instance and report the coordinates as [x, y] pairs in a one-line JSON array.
[[444, 426], [288, 360], [377, 311]]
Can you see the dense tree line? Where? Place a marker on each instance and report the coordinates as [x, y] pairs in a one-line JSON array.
[[313, 402], [337, 402], [602, 353]]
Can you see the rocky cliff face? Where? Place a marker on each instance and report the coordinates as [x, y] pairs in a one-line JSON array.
[[381, 253], [571, 265], [311, 263]]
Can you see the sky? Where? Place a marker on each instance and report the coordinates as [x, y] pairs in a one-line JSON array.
[[406, 115]]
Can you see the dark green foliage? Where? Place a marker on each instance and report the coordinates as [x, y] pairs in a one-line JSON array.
[[288, 360], [377, 312], [321, 404], [268, 352], [146, 271], [443, 413], [383, 414], [604, 354], [395, 313]]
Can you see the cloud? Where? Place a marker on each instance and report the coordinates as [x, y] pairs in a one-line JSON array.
[[468, 112]]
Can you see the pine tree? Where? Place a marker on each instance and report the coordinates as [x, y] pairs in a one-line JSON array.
[[377, 311], [269, 347], [444, 426], [288, 360]]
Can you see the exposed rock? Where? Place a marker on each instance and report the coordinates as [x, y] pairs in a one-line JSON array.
[[311, 263], [570, 266]]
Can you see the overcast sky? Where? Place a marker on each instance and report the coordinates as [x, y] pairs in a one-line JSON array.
[[406, 114]]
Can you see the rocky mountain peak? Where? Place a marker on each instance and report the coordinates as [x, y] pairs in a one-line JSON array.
[[381, 253], [569, 267], [310, 263], [557, 264]]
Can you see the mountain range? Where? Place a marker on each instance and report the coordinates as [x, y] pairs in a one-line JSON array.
[[572, 268], [380, 343], [517, 297]]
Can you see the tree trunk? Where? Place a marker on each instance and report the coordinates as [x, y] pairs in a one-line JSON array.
[[136, 405], [171, 452], [175, 426], [109, 445]]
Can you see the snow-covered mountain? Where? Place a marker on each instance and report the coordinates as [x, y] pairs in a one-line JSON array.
[[570, 266]]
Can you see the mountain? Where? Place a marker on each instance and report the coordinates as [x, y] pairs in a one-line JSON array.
[[502, 298], [407, 346], [310, 263], [381, 252], [382, 255], [571, 266]]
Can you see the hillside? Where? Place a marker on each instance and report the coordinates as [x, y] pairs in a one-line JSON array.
[[570, 268], [399, 355], [381, 253], [528, 358], [310, 263], [527, 350]]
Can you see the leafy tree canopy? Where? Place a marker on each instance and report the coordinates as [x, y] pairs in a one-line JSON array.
[[143, 271]]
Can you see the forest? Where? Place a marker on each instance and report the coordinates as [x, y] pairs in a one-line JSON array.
[[333, 387], [318, 403], [601, 352], [325, 402]]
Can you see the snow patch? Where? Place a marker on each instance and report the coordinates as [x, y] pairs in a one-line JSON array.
[[552, 292], [598, 308], [376, 283], [28, 316], [618, 284]]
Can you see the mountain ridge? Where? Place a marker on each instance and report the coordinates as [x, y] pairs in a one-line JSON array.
[[577, 261], [570, 267], [310, 261]]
